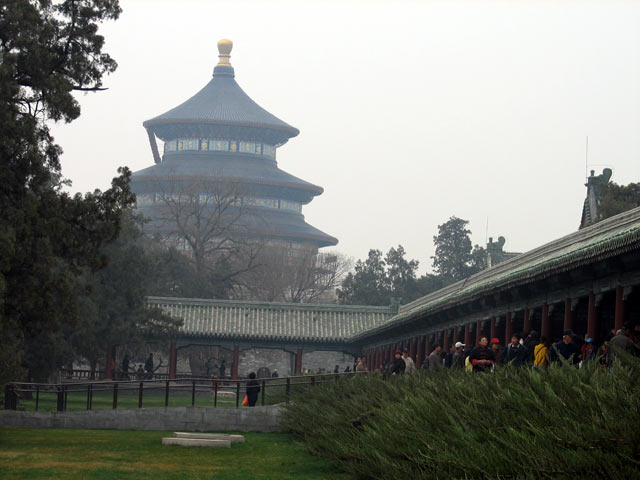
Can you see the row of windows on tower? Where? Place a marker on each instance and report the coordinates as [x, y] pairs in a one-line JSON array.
[[293, 248], [147, 199], [217, 145]]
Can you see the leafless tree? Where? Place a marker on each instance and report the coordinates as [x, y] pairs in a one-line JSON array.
[[295, 276], [207, 218]]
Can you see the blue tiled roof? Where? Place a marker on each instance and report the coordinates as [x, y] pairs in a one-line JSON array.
[[222, 101]]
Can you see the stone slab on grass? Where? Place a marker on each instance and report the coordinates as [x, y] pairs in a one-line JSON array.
[[210, 436], [196, 442]]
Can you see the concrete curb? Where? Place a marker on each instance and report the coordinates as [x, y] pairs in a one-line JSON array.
[[198, 419]]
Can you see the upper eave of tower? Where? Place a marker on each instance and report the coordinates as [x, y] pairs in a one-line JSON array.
[[221, 102]]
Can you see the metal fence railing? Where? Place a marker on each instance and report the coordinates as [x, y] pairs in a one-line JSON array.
[[87, 374], [96, 395]]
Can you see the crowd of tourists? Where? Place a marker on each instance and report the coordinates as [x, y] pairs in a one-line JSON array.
[[530, 349], [488, 354]]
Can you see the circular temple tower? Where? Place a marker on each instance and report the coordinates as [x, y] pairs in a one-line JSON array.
[[221, 137]]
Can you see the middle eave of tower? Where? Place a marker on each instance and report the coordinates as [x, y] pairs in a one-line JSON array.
[[221, 110]]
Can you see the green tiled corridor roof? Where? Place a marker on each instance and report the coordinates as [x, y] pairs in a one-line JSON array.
[[270, 321], [603, 240]]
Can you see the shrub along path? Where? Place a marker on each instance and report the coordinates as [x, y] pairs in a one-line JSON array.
[[563, 422], [109, 454]]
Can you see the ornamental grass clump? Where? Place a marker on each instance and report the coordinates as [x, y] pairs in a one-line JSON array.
[[562, 422]]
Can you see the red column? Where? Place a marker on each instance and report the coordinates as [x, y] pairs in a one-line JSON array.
[[456, 334], [568, 314], [545, 328], [592, 317], [478, 331], [412, 348], [298, 369], [494, 334], [236, 360], [620, 308], [507, 329], [527, 322], [428, 346], [109, 363], [420, 354], [392, 352], [467, 334], [173, 360], [446, 340]]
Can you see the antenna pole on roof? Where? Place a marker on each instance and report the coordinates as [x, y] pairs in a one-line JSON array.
[[586, 159], [486, 233]]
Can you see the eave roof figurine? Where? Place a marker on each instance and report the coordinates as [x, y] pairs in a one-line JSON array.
[[220, 135]]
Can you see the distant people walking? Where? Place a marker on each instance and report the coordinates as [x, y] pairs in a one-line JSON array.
[[516, 354], [604, 353], [482, 357], [361, 365], [530, 343], [337, 369], [125, 367], [590, 351], [435, 362], [398, 366], [448, 358], [622, 341], [457, 360], [253, 389], [275, 374], [498, 351], [222, 369], [541, 353], [566, 348], [410, 366], [148, 366]]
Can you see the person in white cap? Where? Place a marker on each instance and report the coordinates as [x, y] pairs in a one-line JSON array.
[[457, 361]]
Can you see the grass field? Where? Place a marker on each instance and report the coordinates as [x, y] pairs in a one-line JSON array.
[[110, 454]]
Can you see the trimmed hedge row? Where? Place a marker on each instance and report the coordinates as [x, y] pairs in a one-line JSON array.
[[562, 422]]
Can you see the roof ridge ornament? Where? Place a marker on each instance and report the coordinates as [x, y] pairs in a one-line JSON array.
[[224, 52]]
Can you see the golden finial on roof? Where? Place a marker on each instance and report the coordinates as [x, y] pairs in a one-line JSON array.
[[224, 50]]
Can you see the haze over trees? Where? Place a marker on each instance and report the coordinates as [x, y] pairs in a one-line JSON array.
[[111, 301], [392, 279], [209, 219]]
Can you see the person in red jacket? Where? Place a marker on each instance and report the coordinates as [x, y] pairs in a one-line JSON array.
[[482, 357]]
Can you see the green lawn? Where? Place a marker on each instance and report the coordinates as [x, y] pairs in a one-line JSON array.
[[111, 454]]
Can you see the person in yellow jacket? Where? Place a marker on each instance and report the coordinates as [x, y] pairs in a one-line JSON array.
[[541, 353]]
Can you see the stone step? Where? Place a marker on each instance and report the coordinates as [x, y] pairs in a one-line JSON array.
[[210, 436], [196, 442]]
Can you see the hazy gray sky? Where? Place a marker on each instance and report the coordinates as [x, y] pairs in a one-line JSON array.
[[409, 112]]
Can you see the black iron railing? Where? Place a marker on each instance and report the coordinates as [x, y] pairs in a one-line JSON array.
[[87, 374], [156, 393]]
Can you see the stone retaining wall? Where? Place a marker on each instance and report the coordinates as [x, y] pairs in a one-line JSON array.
[[256, 419]]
